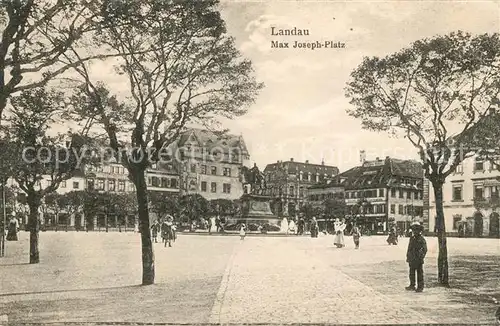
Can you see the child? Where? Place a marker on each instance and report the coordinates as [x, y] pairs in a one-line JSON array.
[[355, 236], [242, 232]]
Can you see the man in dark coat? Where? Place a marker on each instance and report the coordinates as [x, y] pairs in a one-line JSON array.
[[417, 249]]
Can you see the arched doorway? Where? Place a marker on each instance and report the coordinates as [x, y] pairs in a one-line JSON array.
[[494, 225], [478, 225]]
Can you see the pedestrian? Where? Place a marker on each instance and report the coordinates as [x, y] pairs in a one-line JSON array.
[[339, 233], [356, 234], [417, 249], [217, 224], [242, 232], [13, 229], [291, 226], [314, 227], [154, 230], [209, 225], [393, 237]]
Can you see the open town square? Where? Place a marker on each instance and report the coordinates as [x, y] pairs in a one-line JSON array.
[[221, 162], [93, 277]]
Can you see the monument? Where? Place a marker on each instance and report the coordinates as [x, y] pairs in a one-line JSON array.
[[256, 209], [255, 205]]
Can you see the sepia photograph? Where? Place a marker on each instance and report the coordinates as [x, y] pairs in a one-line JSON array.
[[243, 162]]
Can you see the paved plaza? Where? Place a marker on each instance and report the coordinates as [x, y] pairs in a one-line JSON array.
[[94, 277]]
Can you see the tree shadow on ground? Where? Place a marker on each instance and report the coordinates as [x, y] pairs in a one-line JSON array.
[[473, 284], [69, 290]]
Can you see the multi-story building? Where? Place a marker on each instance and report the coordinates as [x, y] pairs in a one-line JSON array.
[[381, 192], [470, 198], [210, 164], [288, 181]]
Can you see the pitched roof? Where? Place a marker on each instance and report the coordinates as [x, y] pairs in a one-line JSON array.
[[211, 140], [306, 167], [379, 173]]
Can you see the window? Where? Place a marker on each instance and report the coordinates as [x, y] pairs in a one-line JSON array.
[[213, 187], [381, 192], [393, 209], [155, 181], [193, 168], [457, 192], [401, 193], [227, 172], [457, 218], [420, 195], [400, 209], [111, 185], [76, 185], [149, 181], [226, 188], [408, 194], [494, 192], [90, 184], [100, 184], [478, 165], [292, 192], [478, 192], [393, 193], [131, 186], [63, 184], [204, 186], [213, 170], [165, 182], [154, 166], [203, 169], [459, 168], [121, 185], [301, 192], [173, 183]]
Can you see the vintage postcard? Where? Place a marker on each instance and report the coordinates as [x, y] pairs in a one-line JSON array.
[[178, 162]]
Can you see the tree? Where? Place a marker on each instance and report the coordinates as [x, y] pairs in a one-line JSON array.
[[163, 204], [90, 207], [334, 208], [435, 93], [194, 207], [223, 207], [52, 205], [39, 36], [41, 161], [71, 203], [181, 67]]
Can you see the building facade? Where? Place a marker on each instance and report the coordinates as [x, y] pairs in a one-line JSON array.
[[210, 164], [470, 199], [287, 182], [383, 192]]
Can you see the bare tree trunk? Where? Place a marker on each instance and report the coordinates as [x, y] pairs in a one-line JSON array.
[[441, 234], [34, 228], [148, 259]]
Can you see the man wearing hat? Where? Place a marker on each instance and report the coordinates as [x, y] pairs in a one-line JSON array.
[[417, 249]]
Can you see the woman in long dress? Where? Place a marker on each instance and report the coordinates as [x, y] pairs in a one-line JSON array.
[[339, 233], [314, 228], [13, 229], [291, 227]]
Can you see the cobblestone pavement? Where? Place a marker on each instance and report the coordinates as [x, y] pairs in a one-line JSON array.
[[291, 281], [91, 277]]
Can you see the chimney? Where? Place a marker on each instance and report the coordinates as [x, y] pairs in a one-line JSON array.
[[322, 162], [377, 159], [307, 161], [362, 156], [291, 159]]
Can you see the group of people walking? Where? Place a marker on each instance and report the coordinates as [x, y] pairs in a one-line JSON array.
[[166, 228]]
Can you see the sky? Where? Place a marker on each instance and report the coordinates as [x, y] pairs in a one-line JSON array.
[[301, 112]]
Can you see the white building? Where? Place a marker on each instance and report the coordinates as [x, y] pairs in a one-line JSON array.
[[470, 198]]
